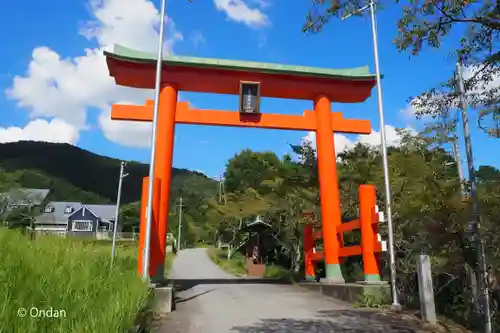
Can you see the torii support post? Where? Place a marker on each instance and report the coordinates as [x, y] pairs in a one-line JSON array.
[[369, 231], [329, 189], [310, 270], [163, 171]]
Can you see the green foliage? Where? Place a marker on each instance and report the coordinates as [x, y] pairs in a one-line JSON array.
[[130, 216], [379, 299], [279, 272], [249, 169], [69, 275], [7, 181], [22, 217], [61, 189], [235, 265], [473, 26]]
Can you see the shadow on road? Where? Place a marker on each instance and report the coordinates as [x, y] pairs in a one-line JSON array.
[[186, 284], [181, 300], [344, 321]]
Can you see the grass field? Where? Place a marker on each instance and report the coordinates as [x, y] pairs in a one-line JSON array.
[[62, 285]]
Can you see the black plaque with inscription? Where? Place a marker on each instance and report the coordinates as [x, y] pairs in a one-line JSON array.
[[249, 97]]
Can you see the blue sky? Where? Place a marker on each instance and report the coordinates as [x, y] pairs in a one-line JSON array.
[[56, 86]]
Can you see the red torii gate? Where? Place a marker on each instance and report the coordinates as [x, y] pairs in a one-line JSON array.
[[321, 86]]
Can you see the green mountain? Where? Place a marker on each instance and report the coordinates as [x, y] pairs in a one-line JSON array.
[[76, 174]]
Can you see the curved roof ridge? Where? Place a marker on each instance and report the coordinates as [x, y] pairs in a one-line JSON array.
[[131, 55]]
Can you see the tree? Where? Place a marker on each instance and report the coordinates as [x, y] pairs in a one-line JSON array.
[[130, 216], [7, 184], [249, 169], [427, 23], [22, 217]]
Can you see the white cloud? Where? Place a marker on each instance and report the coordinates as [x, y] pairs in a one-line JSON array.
[[66, 88], [241, 12], [41, 130], [410, 111], [127, 133], [343, 143], [197, 38]]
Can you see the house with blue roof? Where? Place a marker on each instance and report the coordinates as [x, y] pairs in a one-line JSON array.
[[75, 219]]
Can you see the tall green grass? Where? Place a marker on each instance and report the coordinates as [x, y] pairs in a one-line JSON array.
[[71, 277]]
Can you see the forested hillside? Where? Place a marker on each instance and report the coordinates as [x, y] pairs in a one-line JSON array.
[[68, 165]]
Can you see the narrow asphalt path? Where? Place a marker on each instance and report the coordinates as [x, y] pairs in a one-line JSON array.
[[216, 302]]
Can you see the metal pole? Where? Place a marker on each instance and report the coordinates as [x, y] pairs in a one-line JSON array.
[[475, 217], [149, 212], [388, 199], [180, 226], [224, 197], [117, 213]]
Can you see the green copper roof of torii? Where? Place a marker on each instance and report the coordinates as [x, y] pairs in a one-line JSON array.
[[130, 55]]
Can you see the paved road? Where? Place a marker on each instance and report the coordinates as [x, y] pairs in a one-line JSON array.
[[216, 302]]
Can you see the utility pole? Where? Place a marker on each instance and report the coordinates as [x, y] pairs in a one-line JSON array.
[[222, 190], [117, 213], [385, 158], [179, 226], [474, 224], [458, 161]]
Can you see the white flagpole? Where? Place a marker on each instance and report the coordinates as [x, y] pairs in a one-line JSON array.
[[149, 213]]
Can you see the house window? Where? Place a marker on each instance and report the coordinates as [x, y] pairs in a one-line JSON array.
[[68, 210], [79, 225], [49, 209]]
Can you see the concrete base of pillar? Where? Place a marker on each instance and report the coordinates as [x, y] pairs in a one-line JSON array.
[[396, 307], [349, 292], [333, 274], [164, 300]]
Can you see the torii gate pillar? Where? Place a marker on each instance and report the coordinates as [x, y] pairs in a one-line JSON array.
[[329, 188], [163, 171]]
